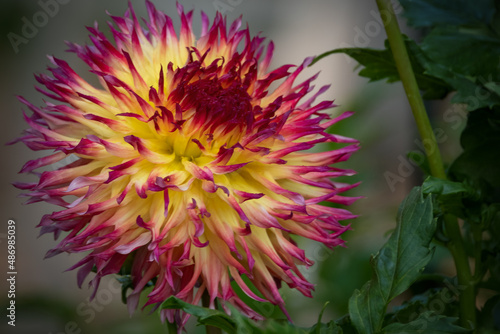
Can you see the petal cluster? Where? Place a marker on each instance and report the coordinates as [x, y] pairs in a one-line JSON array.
[[186, 164]]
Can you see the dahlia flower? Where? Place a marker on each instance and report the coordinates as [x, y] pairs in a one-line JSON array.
[[186, 163]]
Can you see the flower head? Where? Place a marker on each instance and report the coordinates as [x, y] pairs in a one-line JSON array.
[[186, 163]]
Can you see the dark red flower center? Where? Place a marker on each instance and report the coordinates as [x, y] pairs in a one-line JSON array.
[[215, 97], [217, 105]]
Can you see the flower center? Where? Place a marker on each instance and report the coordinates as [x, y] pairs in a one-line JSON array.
[[217, 104]]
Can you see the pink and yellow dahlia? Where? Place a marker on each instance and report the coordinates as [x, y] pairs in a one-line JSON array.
[[186, 162]]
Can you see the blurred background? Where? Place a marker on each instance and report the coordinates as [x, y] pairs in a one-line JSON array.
[[48, 299]]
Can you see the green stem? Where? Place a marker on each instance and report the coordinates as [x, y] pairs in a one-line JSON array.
[[205, 302], [465, 279], [456, 244], [172, 327], [479, 269]]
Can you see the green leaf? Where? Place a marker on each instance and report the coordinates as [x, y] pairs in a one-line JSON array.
[[207, 317], [275, 327], [470, 52], [238, 323], [329, 328], [434, 185], [443, 299], [428, 13], [272, 326], [475, 92], [346, 325], [433, 87], [450, 195], [479, 161], [461, 48], [427, 323], [397, 265], [469, 90], [493, 86], [367, 308], [379, 65]]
